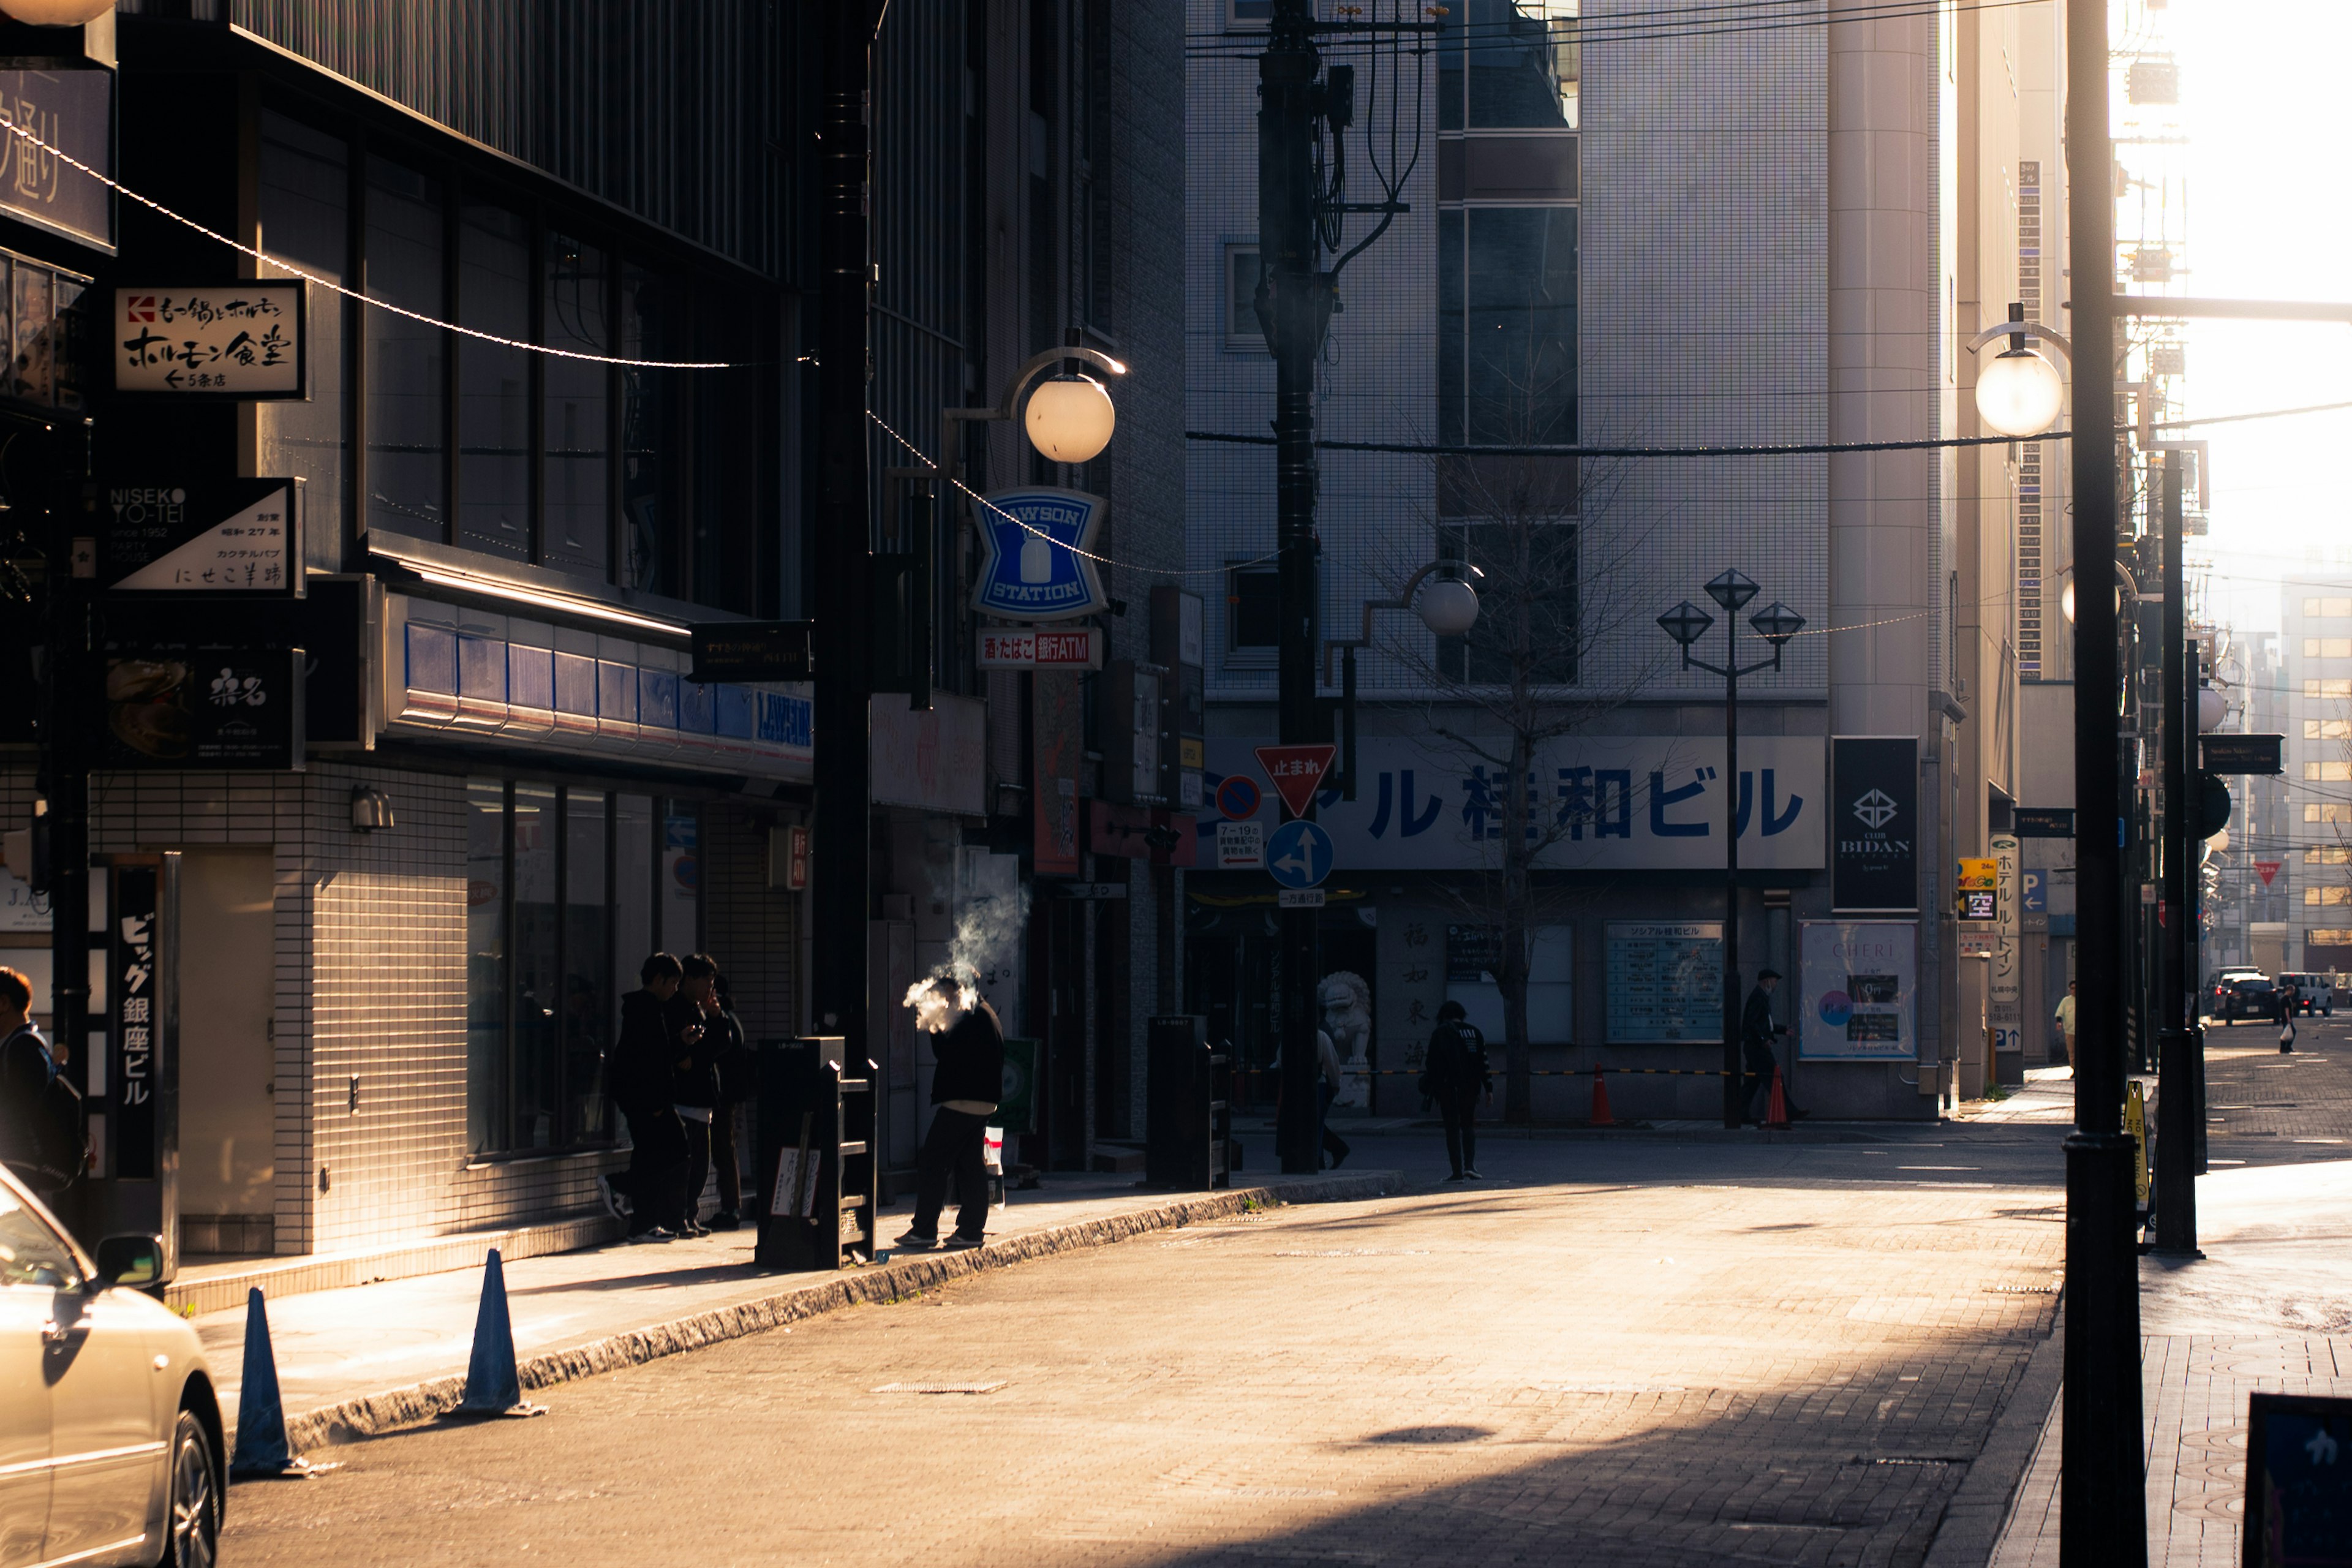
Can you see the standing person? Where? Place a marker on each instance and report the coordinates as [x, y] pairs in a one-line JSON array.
[[968, 1043], [690, 1017], [41, 1115], [1327, 1089], [1756, 1033], [2064, 1019], [1455, 1076], [733, 1058], [638, 1078], [2283, 999]]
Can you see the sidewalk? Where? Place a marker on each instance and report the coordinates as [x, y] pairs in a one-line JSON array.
[[362, 1360]]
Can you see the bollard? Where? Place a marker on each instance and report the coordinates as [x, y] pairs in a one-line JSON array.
[[493, 1382]]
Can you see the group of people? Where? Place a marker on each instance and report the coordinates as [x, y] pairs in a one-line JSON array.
[[677, 1073]]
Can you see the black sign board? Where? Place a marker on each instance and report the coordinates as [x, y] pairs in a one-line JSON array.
[[203, 706], [752, 650], [204, 538], [2298, 1480], [1874, 823], [2242, 753], [328, 624], [2044, 822], [135, 1078]]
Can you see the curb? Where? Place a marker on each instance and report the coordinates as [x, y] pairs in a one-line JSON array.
[[370, 1416], [1979, 1514]]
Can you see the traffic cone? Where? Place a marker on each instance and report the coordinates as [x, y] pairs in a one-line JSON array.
[[264, 1452], [1776, 1114], [493, 1382], [1600, 1117]]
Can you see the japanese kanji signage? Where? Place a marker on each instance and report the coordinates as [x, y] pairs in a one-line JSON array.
[[238, 341], [73, 113], [2267, 869], [1040, 647], [223, 537], [203, 707], [1977, 881], [133, 1080], [1295, 771]]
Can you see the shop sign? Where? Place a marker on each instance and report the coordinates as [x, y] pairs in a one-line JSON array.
[[135, 984], [2045, 821], [1976, 882], [1858, 990], [73, 113], [751, 650], [2004, 997], [1036, 647], [1602, 803], [1058, 728], [240, 341], [1875, 837], [1038, 545], [203, 706], [223, 538], [935, 759]]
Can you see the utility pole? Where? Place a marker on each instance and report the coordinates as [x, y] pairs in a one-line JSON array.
[[2176, 1040], [843, 554], [69, 713], [1294, 310], [2102, 1503]]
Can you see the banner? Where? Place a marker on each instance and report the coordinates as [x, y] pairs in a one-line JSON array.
[[1875, 837], [1858, 990]]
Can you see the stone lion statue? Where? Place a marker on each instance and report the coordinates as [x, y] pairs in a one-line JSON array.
[[1347, 1007]]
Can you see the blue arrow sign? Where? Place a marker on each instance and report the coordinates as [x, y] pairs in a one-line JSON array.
[[1299, 855], [1030, 538]]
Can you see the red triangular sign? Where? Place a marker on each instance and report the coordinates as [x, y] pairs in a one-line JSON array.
[[2267, 869], [1295, 771]]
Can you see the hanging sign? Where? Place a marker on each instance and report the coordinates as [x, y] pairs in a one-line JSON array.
[[1875, 826], [203, 707], [1037, 543], [235, 341], [226, 538], [73, 112], [1978, 885], [1038, 648]]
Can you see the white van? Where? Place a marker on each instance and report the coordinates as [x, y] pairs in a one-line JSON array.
[[2313, 992]]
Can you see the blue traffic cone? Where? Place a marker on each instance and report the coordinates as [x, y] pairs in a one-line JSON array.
[[263, 1451], [493, 1383]]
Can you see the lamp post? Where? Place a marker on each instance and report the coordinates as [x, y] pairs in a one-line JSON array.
[[1776, 624]]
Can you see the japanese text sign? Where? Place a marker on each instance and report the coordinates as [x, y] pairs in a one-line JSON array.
[[222, 537], [73, 113], [1295, 771], [1036, 647], [240, 340], [134, 908]]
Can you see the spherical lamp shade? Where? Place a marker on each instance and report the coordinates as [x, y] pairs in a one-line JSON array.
[[2066, 601], [2212, 708], [2220, 842], [2020, 393], [1070, 418], [56, 13], [1448, 607]]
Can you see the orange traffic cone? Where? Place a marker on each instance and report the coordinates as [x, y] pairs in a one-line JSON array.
[[1600, 1117], [1776, 1114]]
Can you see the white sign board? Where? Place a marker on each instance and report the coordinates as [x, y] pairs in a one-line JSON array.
[[2007, 954], [1241, 846], [238, 340], [1858, 995], [1298, 897], [1663, 981]]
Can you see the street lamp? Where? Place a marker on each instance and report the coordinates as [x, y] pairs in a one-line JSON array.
[[2019, 393], [1070, 418], [1776, 624]]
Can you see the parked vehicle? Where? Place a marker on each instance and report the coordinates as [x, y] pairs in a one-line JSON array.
[[2219, 990], [2313, 993], [109, 1435]]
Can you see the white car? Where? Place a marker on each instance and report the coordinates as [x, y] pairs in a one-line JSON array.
[[110, 1435]]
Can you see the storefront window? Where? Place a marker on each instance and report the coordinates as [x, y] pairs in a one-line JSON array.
[[486, 965], [494, 381], [633, 887], [588, 1000], [578, 397], [305, 192], [407, 434], [649, 521], [537, 1072]]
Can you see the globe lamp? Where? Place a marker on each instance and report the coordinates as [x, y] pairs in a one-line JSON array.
[[1070, 418], [1448, 607], [2020, 393]]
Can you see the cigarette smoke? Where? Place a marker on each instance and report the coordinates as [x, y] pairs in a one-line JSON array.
[[987, 935]]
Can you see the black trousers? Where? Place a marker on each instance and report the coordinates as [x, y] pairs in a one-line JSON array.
[[957, 1144], [656, 1162], [1756, 1085], [695, 1169], [1460, 1110], [729, 1163]]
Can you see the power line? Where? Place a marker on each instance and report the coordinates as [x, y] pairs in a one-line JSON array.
[[1243, 46]]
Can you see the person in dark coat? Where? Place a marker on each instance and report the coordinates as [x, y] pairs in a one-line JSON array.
[[2283, 997], [36, 1138], [1456, 1076], [639, 1078], [693, 1088], [733, 1058], [968, 1043], [1756, 1033]]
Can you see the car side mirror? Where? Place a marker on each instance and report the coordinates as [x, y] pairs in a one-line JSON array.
[[131, 1260]]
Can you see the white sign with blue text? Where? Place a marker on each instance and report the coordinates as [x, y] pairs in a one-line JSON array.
[[1037, 543], [1600, 803]]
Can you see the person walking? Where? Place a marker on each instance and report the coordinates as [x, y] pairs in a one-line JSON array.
[[1756, 1033], [2064, 1019], [690, 1017], [41, 1137], [733, 1061], [2283, 1000], [1455, 1075], [638, 1077], [968, 1043]]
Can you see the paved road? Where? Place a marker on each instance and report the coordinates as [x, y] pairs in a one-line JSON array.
[[1634, 1353]]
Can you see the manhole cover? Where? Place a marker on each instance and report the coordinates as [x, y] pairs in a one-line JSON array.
[[939, 1387]]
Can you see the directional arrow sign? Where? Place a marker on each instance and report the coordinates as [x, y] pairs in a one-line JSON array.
[[1299, 855], [1296, 772]]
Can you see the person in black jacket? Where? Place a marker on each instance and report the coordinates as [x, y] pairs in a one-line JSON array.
[[639, 1077], [733, 1060], [1756, 1033], [39, 1122], [690, 1019], [1455, 1076], [968, 1042]]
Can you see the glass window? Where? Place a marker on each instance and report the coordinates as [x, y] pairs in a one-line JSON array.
[[2327, 647], [2330, 606], [32, 372], [633, 887], [31, 1254], [2324, 896], [537, 1073], [1241, 328], [578, 397], [494, 381], [650, 549], [1520, 323], [681, 902], [407, 435], [588, 998], [486, 965], [2329, 773], [304, 182], [1527, 603], [1256, 608]]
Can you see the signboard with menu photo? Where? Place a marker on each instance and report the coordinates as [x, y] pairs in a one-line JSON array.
[[1858, 993]]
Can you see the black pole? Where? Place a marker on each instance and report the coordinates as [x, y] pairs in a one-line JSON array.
[[2176, 1101], [2102, 1488], [71, 711], [1734, 1102], [842, 552], [1294, 306]]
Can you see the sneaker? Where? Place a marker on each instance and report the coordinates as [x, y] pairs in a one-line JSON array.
[[959, 1242], [614, 1204], [655, 1233], [916, 1241], [1472, 1176], [726, 1219]]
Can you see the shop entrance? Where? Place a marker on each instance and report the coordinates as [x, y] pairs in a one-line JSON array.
[[228, 1054]]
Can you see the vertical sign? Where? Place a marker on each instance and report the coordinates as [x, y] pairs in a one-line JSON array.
[[1059, 727], [1874, 823], [2008, 954], [134, 1075]]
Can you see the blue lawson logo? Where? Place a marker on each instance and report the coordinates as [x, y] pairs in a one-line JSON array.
[[1033, 573], [1299, 855]]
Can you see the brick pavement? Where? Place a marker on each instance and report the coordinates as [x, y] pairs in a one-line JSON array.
[[1661, 1354]]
